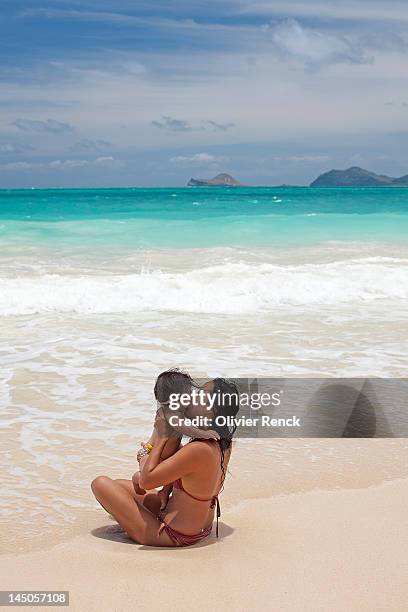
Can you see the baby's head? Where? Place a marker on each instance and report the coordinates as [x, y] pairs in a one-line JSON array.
[[172, 382]]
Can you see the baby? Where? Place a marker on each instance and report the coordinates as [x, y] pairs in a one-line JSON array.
[[168, 383]]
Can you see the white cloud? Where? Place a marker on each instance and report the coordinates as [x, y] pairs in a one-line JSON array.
[[22, 165], [68, 163], [106, 161], [314, 47], [305, 158], [202, 159], [64, 164], [81, 163]]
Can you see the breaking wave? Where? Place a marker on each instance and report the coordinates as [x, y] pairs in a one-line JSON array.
[[231, 288]]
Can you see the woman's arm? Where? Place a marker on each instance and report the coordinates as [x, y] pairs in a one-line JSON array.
[[155, 472]]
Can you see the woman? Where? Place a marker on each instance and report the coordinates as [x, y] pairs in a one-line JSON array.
[[197, 472]]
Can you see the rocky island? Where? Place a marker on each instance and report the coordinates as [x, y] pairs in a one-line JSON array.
[[358, 177], [221, 180]]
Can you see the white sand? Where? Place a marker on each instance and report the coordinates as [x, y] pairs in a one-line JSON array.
[[344, 550]]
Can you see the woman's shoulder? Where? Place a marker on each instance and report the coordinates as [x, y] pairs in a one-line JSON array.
[[203, 448], [203, 455]]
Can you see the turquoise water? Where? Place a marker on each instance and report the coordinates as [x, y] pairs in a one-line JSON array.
[[202, 217]]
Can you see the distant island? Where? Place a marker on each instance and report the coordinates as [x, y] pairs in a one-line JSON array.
[[358, 177], [221, 180], [352, 177]]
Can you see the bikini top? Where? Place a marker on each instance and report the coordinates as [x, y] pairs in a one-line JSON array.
[[214, 500]]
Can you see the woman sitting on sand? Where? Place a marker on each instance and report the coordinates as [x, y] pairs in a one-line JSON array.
[[194, 475]]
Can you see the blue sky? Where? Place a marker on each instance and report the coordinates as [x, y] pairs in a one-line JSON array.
[[104, 93]]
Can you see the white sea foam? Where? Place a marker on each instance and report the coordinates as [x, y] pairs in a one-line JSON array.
[[224, 289]]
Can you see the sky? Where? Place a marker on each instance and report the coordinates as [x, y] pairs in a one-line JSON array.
[[150, 93]]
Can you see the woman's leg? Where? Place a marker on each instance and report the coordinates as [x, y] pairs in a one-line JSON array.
[[138, 522], [150, 500], [127, 485]]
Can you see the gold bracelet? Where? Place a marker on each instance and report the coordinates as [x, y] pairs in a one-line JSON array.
[[144, 451]]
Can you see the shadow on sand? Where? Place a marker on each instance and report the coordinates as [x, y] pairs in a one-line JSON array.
[[115, 533]]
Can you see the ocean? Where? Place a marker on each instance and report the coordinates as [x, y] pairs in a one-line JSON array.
[[170, 250], [102, 289], [202, 217]]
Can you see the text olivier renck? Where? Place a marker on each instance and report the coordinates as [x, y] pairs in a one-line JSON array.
[[199, 397]]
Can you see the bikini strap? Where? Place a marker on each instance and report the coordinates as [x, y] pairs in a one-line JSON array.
[[179, 485], [216, 502]]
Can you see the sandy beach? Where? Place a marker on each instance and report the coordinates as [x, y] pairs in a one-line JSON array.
[[329, 542], [219, 188]]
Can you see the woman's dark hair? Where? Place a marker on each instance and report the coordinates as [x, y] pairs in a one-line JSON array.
[[172, 381], [226, 402], [226, 405]]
